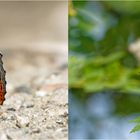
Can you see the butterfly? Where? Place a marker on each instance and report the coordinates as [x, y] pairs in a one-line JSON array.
[[2, 82]]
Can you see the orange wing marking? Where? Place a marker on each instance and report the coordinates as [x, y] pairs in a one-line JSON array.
[[1, 93]]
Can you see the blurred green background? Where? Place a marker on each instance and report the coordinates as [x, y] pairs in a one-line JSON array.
[[104, 68]]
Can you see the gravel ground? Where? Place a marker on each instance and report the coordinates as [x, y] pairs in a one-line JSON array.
[[36, 101]]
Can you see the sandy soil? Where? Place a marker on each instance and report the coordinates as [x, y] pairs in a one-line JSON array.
[[33, 41], [36, 100]]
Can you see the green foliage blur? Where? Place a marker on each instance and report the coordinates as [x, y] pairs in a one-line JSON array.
[[99, 36]]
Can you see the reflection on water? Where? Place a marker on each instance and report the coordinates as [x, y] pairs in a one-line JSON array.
[[103, 116]]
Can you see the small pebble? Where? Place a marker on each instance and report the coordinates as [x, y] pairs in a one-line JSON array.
[[40, 93], [36, 130], [22, 121]]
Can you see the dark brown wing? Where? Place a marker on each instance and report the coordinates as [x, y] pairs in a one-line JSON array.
[[2, 82]]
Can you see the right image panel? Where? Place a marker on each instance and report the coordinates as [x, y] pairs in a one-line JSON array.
[[104, 70]]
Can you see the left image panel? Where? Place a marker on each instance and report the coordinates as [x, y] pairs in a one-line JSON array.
[[34, 48]]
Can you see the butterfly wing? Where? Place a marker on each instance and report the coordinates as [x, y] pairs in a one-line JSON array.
[[2, 82]]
